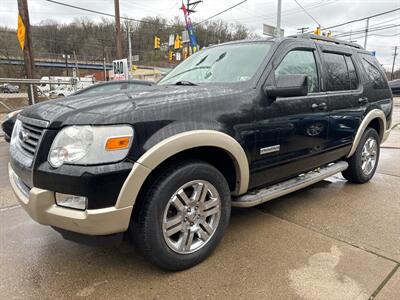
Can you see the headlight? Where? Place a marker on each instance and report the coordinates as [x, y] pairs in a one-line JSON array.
[[90, 145], [13, 113], [15, 132]]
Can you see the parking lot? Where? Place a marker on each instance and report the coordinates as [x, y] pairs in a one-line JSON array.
[[334, 240]]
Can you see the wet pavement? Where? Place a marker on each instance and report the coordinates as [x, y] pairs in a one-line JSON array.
[[333, 240]]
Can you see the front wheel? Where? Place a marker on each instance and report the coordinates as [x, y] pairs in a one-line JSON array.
[[363, 163], [182, 216]]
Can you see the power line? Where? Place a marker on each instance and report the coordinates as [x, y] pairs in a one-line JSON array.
[[308, 14], [373, 29], [286, 12], [221, 12], [103, 13], [362, 19]]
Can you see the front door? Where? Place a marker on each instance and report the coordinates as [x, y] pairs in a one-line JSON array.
[[292, 129]]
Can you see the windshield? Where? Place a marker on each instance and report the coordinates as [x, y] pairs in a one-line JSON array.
[[227, 63]]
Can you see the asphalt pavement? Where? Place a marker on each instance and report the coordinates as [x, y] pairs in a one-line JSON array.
[[333, 240]]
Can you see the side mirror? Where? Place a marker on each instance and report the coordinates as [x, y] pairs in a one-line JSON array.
[[288, 86]]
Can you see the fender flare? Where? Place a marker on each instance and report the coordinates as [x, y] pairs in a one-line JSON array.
[[373, 114], [176, 144]]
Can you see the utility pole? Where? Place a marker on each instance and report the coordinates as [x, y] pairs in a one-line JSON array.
[[28, 51], [118, 30], [192, 5], [129, 52], [302, 30], [394, 62], [278, 19], [366, 34]]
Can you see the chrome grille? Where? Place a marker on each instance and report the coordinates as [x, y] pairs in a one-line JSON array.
[[29, 137]]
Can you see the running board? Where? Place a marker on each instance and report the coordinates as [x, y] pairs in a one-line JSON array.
[[280, 189]]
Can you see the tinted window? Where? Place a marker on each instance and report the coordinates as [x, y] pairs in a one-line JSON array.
[[352, 73], [373, 71], [338, 77], [300, 62]]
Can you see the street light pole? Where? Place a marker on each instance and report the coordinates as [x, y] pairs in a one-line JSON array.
[[394, 62], [366, 34], [278, 19], [129, 52]]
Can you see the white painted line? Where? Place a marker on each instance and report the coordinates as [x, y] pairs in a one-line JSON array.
[[10, 208]]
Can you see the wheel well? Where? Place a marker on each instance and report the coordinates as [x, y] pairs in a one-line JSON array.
[[377, 125], [212, 155]]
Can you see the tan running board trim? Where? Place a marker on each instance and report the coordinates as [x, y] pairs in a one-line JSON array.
[[289, 186]]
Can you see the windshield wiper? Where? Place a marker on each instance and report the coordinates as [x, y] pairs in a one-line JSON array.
[[184, 82]]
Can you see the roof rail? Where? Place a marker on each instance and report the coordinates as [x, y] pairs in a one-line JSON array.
[[326, 39]]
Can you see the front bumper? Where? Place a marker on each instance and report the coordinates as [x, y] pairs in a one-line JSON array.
[[41, 206]]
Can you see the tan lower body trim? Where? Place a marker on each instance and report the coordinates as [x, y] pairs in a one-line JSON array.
[[373, 114], [178, 143], [40, 205]]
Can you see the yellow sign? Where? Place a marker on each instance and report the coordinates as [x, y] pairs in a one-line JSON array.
[[21, 33]]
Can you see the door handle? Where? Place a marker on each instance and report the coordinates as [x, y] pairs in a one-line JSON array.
[[363, 100], [320, 106]]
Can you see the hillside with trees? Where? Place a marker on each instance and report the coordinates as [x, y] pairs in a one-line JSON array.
[[93, 41]]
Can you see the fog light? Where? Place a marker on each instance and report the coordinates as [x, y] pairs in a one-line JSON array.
[[71, 201]]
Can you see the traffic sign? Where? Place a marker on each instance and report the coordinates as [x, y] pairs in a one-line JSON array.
[[21, 33], [120, 68], [271, 30]]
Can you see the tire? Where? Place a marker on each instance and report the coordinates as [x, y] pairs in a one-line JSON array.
[[151, 222], [359, 170]]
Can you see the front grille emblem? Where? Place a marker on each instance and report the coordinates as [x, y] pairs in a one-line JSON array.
[[23, 135]]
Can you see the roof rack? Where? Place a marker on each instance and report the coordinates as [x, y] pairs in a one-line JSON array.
[[326, 39]]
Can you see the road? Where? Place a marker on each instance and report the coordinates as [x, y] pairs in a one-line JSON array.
[[333, 240]]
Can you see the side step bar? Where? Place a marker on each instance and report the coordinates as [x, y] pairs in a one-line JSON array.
[[283, 188]]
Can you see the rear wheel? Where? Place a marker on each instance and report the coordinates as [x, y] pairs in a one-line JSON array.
[[182, 216], [363, 163]]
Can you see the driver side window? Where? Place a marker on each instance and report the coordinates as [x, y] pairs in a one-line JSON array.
[[300, 62]]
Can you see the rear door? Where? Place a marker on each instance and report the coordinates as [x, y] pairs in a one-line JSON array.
[[346, 97]]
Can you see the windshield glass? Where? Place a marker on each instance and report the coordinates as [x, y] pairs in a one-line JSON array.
[[227, 63]]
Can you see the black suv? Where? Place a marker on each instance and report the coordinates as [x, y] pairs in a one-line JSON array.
[[236, 124]]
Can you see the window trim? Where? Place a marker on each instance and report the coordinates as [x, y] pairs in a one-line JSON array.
[[343, 54]]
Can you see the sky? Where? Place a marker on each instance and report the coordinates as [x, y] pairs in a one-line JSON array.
[[252, 13]]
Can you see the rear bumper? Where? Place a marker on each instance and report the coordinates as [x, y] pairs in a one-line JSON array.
[[41, 206]]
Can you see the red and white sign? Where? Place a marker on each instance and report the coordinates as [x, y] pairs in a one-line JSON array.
[[120, 69]]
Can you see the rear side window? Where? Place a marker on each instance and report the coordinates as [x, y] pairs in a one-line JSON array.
[[338, 76], [300, 62], [373, 71], [352, 73]]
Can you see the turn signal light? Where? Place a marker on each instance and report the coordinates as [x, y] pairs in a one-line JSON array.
[[117, 143]]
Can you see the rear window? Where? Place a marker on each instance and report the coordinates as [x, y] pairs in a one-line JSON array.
[[341, 73], [373, 71]]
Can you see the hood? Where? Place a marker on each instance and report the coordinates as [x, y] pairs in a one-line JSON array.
[[114, 108]]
